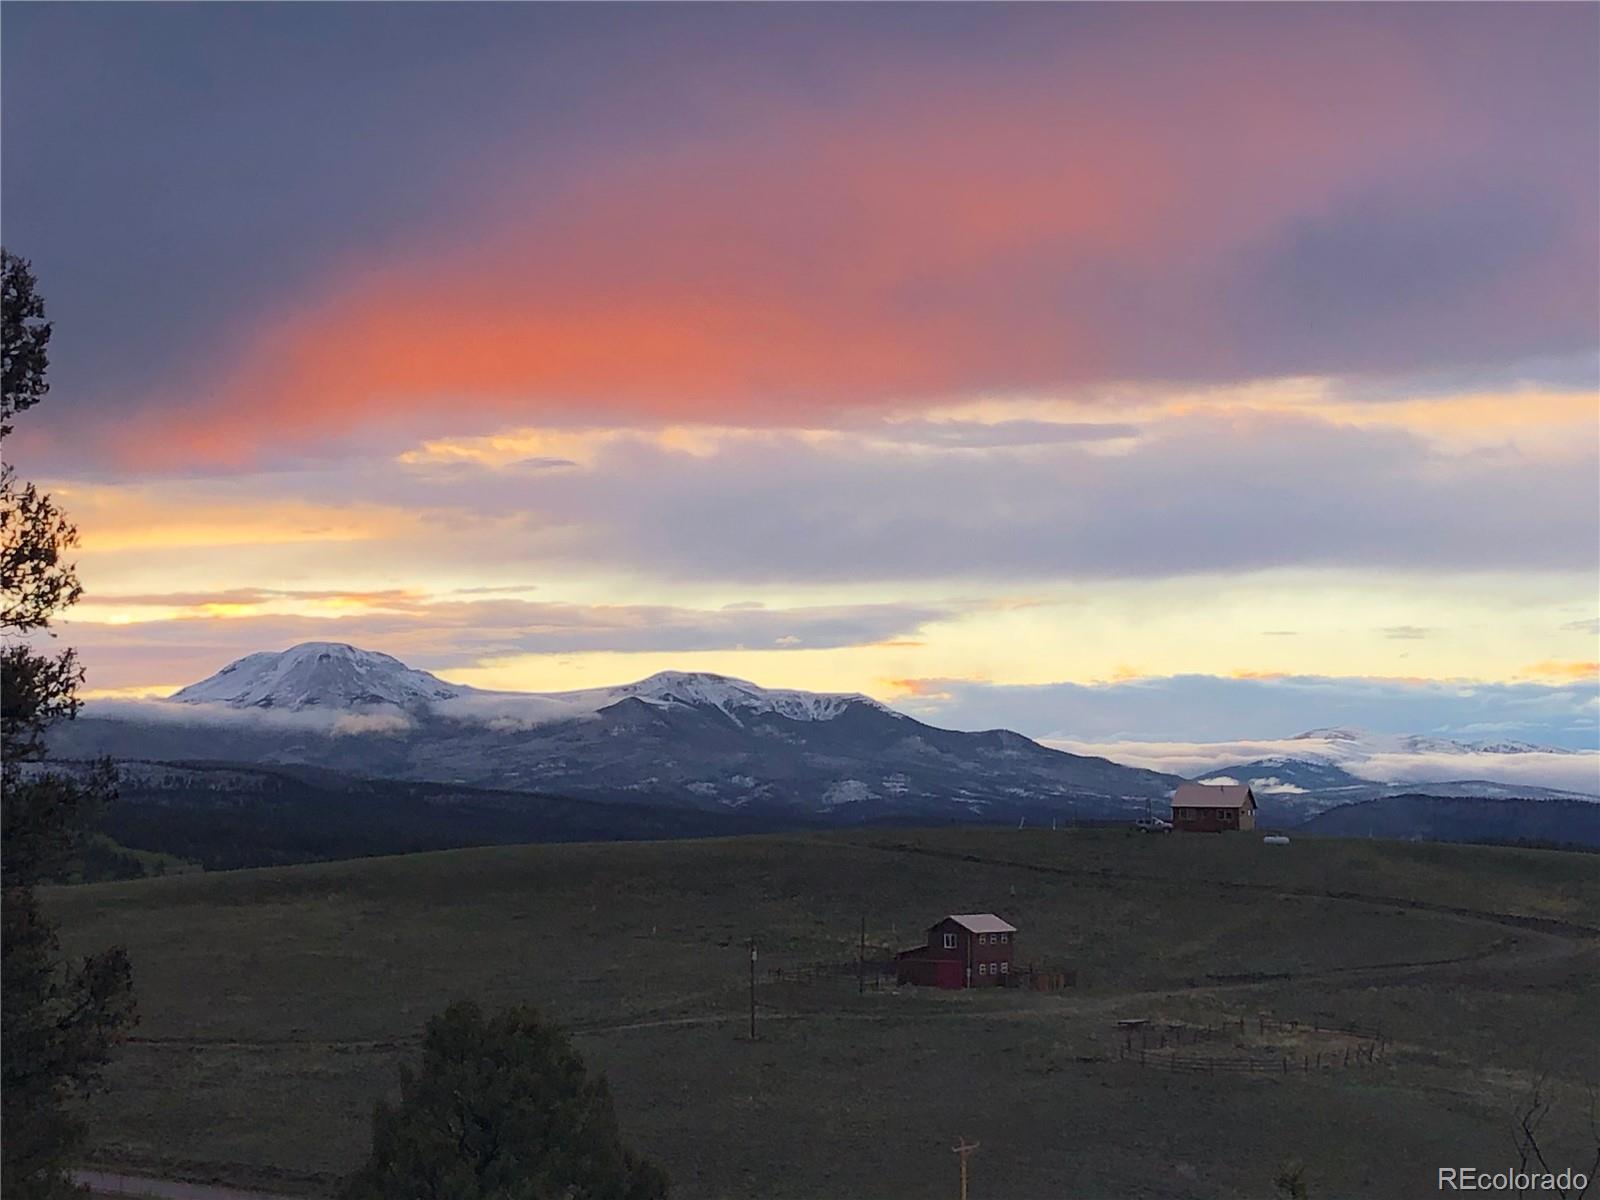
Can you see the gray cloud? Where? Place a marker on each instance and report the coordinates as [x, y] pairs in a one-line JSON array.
[[1196, 494], [437, 635]]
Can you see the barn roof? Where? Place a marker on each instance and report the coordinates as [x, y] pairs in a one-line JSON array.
[[981, 923], [1213, 795]]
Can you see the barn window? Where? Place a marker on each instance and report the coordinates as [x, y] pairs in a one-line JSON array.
[[949, 941]]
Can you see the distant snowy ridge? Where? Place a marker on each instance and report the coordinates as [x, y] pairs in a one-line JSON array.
[[1343, 743], [1344, 761]]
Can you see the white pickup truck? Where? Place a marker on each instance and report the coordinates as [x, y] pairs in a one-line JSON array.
[[1152, 825]]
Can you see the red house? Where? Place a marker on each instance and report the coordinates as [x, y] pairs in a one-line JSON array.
[[963, 950], [1213, 808]]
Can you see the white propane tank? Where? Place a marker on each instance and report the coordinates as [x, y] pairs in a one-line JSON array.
[[1275, 839]]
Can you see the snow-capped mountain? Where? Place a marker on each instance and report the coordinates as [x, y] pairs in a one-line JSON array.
[[693, 739], [325, 675], [1343, 743], [679, 738], [333, 675], [1343, 765], [732, 697]]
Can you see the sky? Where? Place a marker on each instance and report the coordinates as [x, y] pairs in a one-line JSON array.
[[1113, 373]]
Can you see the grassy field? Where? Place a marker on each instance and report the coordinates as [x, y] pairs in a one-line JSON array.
[[277, 1003]]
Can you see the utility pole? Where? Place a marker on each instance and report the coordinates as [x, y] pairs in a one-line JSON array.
[[963, 1148], [752, 987], [861, 965]]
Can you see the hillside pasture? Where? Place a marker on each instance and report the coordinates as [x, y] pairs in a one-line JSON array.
[[277, 1005]]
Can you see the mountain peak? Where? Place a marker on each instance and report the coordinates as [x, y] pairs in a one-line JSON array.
[[325, 675], [732, 697], [1334, 733], [337, 675]]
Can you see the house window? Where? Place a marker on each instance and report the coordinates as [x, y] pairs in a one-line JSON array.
[[1005, 937], [983, 939], [1005, 968], [983, 968], [949, 941]]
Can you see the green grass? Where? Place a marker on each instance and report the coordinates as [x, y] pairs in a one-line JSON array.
[[277, 1004]]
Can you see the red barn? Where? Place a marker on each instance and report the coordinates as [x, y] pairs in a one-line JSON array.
[[1213, 808], [963, 950]]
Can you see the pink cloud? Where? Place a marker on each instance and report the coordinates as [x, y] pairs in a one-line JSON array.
[[1056, 222]]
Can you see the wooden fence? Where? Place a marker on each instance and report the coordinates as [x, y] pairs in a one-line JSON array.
[[1162, 1036], [1212, 1064], [1160, 1046]]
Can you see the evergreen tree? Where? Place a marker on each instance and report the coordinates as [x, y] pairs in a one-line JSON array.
[[500, 1109], [58, 1021], [24, 340]]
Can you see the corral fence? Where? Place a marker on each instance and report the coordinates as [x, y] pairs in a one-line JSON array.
[[1150, 1035], [1284, 1064], [877, 969], [1159, 1045]]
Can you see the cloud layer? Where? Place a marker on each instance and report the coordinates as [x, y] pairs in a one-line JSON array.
[[1578, 771], [439, 634], [1081, 198], [1203, 708]]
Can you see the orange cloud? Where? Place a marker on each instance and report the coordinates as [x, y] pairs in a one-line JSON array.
[[1563, 670], [929, 243]]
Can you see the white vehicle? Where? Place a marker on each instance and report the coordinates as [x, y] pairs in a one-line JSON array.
[[1152, 825]]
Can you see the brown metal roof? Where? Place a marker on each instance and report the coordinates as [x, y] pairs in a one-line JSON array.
[[1213, 795], [981, 923]]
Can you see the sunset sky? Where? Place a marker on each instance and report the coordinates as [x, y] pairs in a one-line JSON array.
[[1105, 372]]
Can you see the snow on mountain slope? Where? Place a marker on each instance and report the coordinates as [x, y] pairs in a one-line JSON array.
[[1342, 744], [676, 738], [698, 689], [329, 676], [1340, 760], [323, 675]]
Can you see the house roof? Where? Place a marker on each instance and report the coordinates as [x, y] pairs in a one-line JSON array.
[[981, 923], [1213, 795]]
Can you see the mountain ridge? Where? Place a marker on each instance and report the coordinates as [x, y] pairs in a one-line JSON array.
[[698, 740], [687, 739]]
